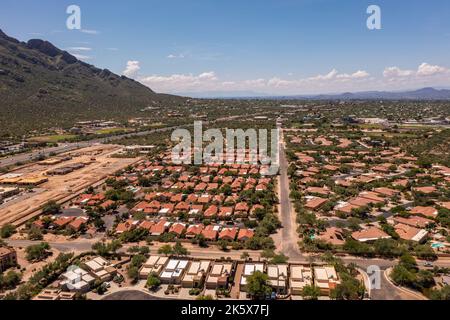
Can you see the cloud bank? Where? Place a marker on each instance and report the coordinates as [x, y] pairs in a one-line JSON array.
[[334, 81]]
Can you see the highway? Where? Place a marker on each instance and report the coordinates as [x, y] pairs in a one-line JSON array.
[[66, 147]]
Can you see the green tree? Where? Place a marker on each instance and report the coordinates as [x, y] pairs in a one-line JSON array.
[[179, 250], [35, 233], [348, 289], [442, 294], [310, 292], [257, 285], [37, 252], [245, 255], [279, 259], [223, 245], [402, 276], [7, 231], [153, 281], [133, 273], [9, 280], [51, 207], [165, 250]]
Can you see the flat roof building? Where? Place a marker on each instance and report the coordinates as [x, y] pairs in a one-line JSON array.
[[174, 271], [77, 280], [154, 264], [8, 258], [249, 269], [325, 278], [300, 277], [218, 277], [101, 269], [196, 274], [278, 277]]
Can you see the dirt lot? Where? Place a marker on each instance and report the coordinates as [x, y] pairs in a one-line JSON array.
[[62, 188]]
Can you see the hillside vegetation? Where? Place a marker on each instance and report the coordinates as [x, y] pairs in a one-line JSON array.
[[42, 86]]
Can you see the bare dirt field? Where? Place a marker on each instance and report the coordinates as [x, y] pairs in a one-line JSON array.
[[61, 188]]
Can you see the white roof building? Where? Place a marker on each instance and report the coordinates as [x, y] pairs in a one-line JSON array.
[[77, 279], [249, 269], [174, 271]]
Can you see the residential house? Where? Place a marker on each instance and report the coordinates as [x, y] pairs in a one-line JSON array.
[[370, 234], [278, 277], [153, 265], [326, 279], [300, 277], [174, 271], [219, 275], [196, 274]]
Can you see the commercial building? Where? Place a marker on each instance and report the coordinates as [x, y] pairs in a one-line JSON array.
[[6, 192]]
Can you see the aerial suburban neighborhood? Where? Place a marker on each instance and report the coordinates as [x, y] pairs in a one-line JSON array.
[[222, 159]]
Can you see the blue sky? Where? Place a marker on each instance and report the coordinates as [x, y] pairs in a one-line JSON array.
[[276, 46]]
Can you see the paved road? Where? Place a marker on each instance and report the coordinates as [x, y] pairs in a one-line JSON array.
[[133, 295], [69, 246], [66, 147], [289, 238]]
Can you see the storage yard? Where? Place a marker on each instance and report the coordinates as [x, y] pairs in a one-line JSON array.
[[60, 179]]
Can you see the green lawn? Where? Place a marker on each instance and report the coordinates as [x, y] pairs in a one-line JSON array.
[[110, 131], [53, 138]]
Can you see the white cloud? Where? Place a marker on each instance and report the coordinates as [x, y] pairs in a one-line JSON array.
[[92, 32], [327, 76], [80, 49], [80, 56], [426, 69], [394, 72], [132, 68], [182, 82], [209, 81], [360, 74], [393, 78], [176, 56]]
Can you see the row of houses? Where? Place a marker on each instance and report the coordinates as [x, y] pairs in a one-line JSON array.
[[183, 230], [213, 275]]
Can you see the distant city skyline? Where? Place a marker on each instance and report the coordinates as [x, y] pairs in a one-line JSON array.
[[266, 47]]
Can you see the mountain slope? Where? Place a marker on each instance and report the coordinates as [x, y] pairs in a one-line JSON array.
[[42, 86]]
